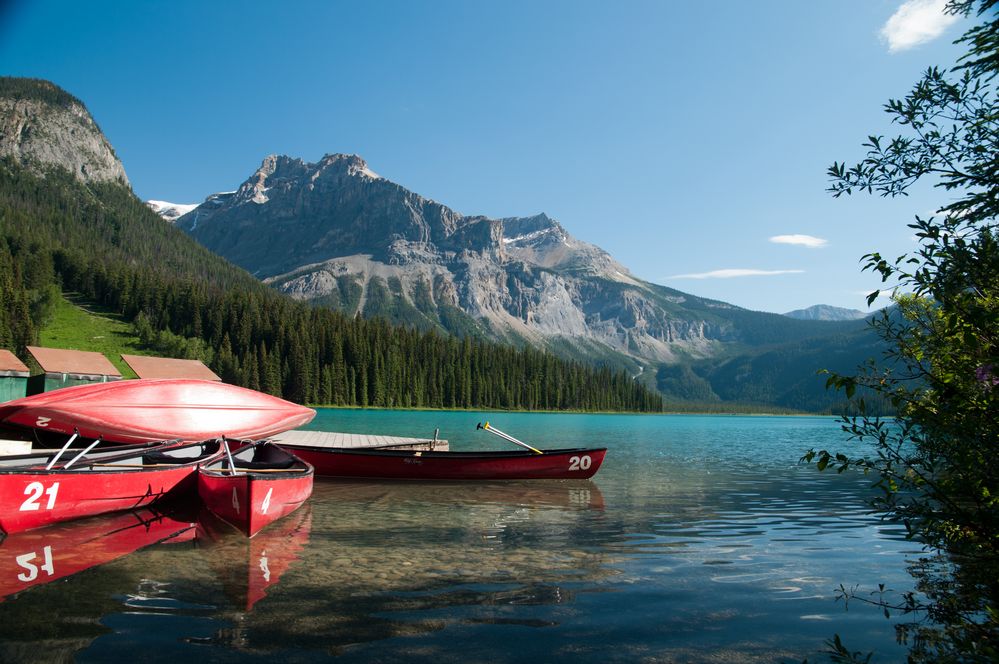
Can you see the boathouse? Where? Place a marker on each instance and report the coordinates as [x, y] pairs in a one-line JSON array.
[[64, 368], [13, 377], [146, 366]]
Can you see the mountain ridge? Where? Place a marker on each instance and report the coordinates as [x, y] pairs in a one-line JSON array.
[[826, 312]]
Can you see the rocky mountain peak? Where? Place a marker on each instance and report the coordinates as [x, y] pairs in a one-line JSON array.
[[275, 171], [347, 164], [43, 126], [301, 212]]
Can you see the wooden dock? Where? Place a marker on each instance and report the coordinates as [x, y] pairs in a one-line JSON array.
[[356, 440], [15, 446]]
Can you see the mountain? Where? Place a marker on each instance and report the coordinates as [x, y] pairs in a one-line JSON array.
[[69, 228], [170, 211], [826, 312], [334, 233], [42, 126]]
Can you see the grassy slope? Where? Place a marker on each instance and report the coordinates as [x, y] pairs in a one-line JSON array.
[[81, 325]]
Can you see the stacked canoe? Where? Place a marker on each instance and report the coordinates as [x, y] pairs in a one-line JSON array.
[[207, 439]]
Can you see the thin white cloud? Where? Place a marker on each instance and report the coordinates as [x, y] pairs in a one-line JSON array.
[[809, 241], [733, 273], [916, 22]]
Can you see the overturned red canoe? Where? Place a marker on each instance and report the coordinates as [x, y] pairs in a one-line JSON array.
[[47, 554], [35, 492], [130, 411], [266, 484], [578, 463]]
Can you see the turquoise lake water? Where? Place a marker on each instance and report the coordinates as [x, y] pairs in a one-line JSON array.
[[701, 539]]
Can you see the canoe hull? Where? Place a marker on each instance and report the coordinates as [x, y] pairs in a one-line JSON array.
[[130, 411], [577, 463], [254, 497], [31, 497]]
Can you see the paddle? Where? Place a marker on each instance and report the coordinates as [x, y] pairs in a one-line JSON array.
[[135, 465], [228, 453], [81, 454], [64, 448], [175, 465], [506, 436]]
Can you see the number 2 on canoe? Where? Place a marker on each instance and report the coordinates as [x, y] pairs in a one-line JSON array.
[[34, 492], [580, 463]]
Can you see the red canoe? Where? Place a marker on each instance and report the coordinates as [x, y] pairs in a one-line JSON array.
[[129, 411], [268, 483], [47, 554], [248, 567], [32, 496], [576, 463]]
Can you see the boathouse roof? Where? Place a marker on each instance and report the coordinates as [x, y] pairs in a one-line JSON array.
[[11, 366], [75, 362], [145, 366]]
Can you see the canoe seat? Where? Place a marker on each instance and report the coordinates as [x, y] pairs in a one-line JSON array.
[[153, 458], [263, 465]]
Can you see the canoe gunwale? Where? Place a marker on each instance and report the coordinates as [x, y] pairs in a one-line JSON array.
[[105, 459], [441, 454], [578, 463]]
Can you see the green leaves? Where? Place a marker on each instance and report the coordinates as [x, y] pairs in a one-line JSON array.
[[935, 461]]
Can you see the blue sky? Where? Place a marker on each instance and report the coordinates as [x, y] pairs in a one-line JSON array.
[[679, 136]]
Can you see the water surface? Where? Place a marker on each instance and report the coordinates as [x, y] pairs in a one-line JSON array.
[[701, 539]]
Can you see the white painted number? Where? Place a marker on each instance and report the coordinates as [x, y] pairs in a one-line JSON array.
[[235, 500], [31, 569], [43, 421], [34, 491], [267, 501], [264, 566], [580, 463]]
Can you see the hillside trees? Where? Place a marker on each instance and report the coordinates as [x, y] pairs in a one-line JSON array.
[[935, 461], [184, 301]]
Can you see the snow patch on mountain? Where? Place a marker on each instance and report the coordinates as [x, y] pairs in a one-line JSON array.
[[170, 211]]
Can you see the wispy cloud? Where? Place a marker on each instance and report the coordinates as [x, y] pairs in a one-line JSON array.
[[809, 241], [733, 273], [916, 22]]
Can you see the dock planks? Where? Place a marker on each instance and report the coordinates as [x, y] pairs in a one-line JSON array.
[[356, 440]]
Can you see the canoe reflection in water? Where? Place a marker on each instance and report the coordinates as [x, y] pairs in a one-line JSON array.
[[44, 555], [248, 567], [572, 494]]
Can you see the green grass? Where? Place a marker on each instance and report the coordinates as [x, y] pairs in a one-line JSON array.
[[78, 324]]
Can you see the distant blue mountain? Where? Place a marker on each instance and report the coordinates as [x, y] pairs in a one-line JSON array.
[[826, 312]]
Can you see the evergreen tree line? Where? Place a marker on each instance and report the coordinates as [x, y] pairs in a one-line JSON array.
[[104, 243]]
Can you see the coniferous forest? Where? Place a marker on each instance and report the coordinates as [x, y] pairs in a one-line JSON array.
[[57, 234]]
